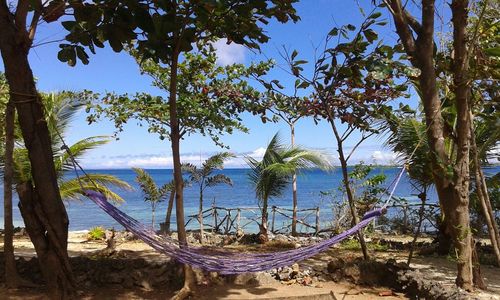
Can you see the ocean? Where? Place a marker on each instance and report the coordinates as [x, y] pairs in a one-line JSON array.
[[312, 185]]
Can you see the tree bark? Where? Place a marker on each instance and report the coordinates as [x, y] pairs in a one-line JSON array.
[[178, 180], [348, 190], [49, 252], [294, 186], [452, 189], [168, 216], [45, 219], [459, 210], [11, 275]]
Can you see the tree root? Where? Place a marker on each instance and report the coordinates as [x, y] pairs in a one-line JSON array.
[[182, 293]]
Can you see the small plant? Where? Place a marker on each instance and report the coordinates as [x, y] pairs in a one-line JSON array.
[[350, 244], [97, 233]]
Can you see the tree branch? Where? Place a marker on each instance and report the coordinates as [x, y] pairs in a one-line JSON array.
[[21, 14], [35, 19], [401, 20]]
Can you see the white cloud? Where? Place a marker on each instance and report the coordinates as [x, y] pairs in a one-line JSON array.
[[229, 54], [383, 158], [165, 161]]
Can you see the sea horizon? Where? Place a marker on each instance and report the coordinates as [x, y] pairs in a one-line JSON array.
[[313, 189]]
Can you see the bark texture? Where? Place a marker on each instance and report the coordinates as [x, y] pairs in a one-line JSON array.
[[43, 211], [175, 137], [11, 275], [451, 175]]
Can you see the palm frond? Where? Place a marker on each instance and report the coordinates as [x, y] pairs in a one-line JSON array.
[[215, 162], [218, 179], [71, 189], [62, 160]]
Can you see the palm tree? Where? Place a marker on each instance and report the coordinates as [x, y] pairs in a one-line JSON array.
[[410, 141], [205, 177], [61, 108], [151, 192], [271, 175]]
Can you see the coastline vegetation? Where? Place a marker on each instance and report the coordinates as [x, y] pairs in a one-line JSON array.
[[357, 83]]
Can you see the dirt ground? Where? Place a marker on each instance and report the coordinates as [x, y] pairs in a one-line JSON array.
[[438, 268]]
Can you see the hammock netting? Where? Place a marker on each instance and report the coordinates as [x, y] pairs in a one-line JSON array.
[[221, 261]]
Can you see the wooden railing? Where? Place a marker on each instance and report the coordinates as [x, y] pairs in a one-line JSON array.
[[232, 219]]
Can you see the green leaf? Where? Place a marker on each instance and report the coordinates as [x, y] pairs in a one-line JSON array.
[[492, 51], [375, 15], [334, 32], [82, 55], [69, 25]]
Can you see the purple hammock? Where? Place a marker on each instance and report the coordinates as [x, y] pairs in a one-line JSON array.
[[222, 261]]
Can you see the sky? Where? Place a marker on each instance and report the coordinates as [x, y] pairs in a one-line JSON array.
[[118, 72]]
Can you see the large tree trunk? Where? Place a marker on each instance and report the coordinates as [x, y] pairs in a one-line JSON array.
[[452, 189], [11, 275], [294, 187], [348, 190], [49, 252], [45, 219], [178, 180], [459, 209]]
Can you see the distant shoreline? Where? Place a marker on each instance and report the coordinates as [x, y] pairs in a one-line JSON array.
[[247, 168]]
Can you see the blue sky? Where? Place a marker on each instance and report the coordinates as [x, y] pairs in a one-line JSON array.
[[109, 71]]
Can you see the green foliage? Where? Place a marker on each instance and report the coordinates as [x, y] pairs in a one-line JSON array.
[[353, 79], [210, 97], [96, 233], [151, 192], [354, 245], [273, 173], [158, 29], [204, 176], [367, 187], [60, 109], [409, 140]]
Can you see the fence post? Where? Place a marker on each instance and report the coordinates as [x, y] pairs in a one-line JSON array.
[[272, 222], [238, 218], [215, 219], [228, 221], [317, 220]]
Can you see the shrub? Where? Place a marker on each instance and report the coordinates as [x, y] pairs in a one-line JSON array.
[[97, 233]]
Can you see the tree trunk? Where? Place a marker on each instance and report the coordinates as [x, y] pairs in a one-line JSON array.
[[11, 275], [153, 219], [483, 198], [200, 213], [45, 219], [452, 189], [178, 180], [348, 190], [49, 252], [294, 187], [476, 269], [459, 208], [263, 237], [169, 212], [423, 199]]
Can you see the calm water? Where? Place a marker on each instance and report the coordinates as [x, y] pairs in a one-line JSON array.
[[84, 214]]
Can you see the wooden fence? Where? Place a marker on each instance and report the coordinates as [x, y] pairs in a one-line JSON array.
[[227, 219]]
